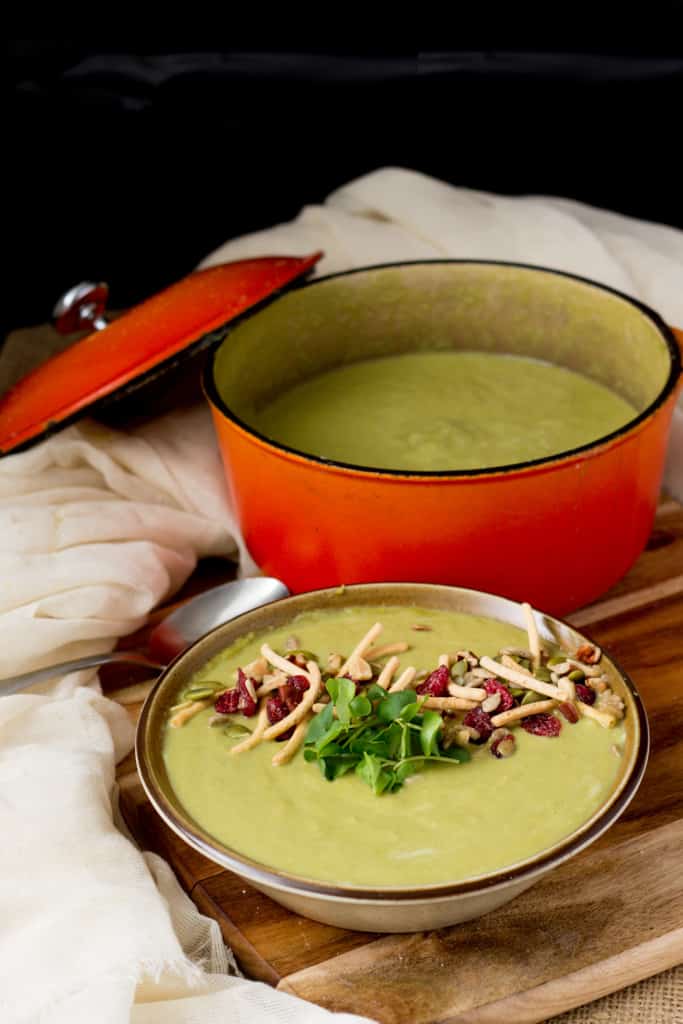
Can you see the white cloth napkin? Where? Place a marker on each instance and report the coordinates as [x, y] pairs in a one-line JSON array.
[[98, 527]]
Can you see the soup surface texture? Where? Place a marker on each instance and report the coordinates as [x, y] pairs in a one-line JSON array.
[[447, 823], [435, 411]]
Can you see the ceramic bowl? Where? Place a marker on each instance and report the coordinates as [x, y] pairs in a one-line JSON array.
[[381, 909]]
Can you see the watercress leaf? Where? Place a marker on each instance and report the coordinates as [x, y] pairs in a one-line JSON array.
[[320, 724], [335, 730], [369, 770], [457, 754], [360, 706], [379, 748], [384, 781], [393, 735], [310, 754], [342, 691], [375, 692], [336, 767], [431, 725], [406, 768], [409, 712], [404, 746], [393, 704]]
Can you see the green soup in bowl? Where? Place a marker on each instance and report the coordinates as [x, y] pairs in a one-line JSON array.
[[464, 829]]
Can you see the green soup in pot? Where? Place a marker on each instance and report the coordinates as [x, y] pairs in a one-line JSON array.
[[435, 411], [446, 824]]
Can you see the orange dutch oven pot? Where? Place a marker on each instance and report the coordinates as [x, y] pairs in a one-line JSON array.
[[556, 531]]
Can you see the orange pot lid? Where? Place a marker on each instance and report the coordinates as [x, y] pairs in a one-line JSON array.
[[171, 325]]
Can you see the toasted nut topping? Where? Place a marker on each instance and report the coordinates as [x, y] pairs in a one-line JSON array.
[[471, 659], [491, 703], [589, 654], [334, 662]]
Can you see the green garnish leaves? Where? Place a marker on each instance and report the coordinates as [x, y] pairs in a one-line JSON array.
[[371, 771], [429, 731], [397, 705], [383, 737], [360, 706], [342, 691], [320, 724]]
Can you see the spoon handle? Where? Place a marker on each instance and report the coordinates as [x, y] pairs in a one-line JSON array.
[[17, 683]]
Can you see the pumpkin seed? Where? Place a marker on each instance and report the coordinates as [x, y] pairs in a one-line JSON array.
[[577, 676], [201, 691], [236, 729], [542, 673], [459, 669], [530, 697]]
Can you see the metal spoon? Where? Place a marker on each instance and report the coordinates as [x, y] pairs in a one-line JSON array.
[[176, 632]]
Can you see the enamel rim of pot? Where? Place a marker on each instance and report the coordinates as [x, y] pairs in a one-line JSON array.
[[665, 332]]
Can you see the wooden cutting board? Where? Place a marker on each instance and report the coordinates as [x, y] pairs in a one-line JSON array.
[[606, 919]]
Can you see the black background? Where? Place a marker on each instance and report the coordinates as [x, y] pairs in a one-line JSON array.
[[129, 161]]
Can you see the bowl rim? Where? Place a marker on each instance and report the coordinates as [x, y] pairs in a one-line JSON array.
[[665, 332], [264, 875]]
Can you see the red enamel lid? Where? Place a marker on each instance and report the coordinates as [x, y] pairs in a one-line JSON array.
[[179, 320]]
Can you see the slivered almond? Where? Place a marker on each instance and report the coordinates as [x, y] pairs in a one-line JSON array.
[[516, 714], [292, 745], [449, 704], [256, 669], [381, 652], [257, 735], [404, 681], [466, 692], [270, 683], [302, 709], [605, 719], [185, 714], [388, 672], [285, 666], [532, 631], [356, 660], [515, 676]]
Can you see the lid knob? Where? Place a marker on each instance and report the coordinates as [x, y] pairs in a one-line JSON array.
[[82, 307]]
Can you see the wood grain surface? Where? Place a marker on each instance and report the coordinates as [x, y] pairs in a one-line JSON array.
[[607, 918]]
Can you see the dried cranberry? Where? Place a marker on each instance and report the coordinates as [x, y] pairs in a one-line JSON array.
[[506, 699], [276, 709], [436, 684], [542, 725], [300, 684], [248, 704], [481, 721], [291, 692], [567, 709], [584, 693], [297, 659], [284, 735], [228, 703]]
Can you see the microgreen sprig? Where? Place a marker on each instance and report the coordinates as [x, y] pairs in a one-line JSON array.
[[382, 737]]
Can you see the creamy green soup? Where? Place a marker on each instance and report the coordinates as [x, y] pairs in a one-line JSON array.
[[443, 411], [446, 823]]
